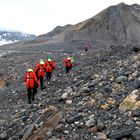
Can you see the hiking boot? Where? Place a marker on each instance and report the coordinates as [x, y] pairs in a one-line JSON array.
[[42, 88], [33, 98]]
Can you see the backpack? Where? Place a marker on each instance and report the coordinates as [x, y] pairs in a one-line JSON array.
[[68, 64], [30, 80], [40, 72], [48, 68]]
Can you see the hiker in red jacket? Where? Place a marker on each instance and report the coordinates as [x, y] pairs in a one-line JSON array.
[[50, 62], [50, 66], [68, 64], [40, 72], [31, 83]]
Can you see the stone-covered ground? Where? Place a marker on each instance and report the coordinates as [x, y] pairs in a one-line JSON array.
[[98, 99]]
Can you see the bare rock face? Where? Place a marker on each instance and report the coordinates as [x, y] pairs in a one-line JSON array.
[[119, 23]]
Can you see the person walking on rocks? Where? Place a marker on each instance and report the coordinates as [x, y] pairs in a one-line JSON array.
[[31, 83], [50, 62], [86, 48], [40, 72], [68, 64], [50, 66]]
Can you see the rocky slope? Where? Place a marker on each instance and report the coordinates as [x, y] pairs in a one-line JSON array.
[[98, 99]]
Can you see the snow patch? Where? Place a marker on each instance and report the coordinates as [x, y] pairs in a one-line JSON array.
[[5, 42]]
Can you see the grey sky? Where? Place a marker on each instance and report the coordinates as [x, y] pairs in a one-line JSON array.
[[41, 16]]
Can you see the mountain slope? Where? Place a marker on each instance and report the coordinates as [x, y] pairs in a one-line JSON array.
[[119, 24]]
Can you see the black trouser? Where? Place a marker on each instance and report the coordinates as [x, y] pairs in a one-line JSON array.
[[48, 76], [68, 69], [41, 82], [31, 93]]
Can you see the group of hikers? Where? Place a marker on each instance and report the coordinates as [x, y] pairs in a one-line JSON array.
[[34, 78]]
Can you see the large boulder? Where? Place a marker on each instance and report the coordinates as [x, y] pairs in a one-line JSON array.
[[136, 105], [129, 102]]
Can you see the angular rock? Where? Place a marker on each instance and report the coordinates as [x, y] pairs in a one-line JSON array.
[[64, 96], [69, 91], [122, 133], [90, 122], [105, 106], [68, 101], [110, 101], [136, 135], [136, 74], [107, 89], [136, 105], [100, 124], [135, 113], [129, 122], [75, 118], [121, 79], [49, 134], [121, 71], [59, 127], [137, 84], [135, 58], [129, 101], [92, 116], [84, 90], [92, 129], [101, 136]]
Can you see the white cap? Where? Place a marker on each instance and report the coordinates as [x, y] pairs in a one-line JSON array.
[[29, 70], [42, 62], [49, 59]]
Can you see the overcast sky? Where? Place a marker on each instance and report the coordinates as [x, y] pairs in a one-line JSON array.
[[41, 16]]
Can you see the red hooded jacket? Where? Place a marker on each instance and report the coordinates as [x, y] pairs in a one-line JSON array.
[[48, 68], [51, 63], [40, 70], [30, 79], [68, 63]]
